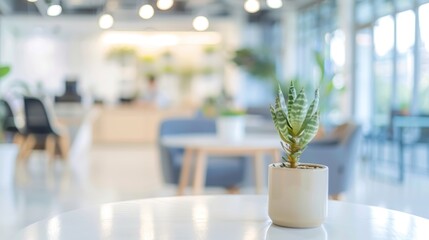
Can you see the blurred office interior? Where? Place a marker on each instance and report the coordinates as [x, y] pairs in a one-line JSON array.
[[89, 88]]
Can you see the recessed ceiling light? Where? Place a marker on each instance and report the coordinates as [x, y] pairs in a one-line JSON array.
[[54, 10], [106, 21], [164, 4], [200, 23], [31, 0], [252, 6], [146, 11], [274, 3]]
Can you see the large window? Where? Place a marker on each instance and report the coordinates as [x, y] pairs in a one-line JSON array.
[[383, 68], [318, 31], [399, 73], [423, 92], [405, 37]]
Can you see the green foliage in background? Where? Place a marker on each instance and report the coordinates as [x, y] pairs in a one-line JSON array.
[[257, 63], [326, 84], [122, 54]]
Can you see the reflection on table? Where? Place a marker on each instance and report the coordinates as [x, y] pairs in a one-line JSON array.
[[221, 217]]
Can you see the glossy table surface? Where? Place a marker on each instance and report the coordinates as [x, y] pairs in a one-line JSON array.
[[221, 217]]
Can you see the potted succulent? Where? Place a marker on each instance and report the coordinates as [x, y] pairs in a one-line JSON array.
[[230, 124], [297, 192]]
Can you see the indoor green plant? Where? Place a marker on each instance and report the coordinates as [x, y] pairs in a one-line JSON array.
[[231, 123], [298, 192], [258, 63]]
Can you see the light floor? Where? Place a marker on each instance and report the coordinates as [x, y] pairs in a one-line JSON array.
[[123, 172]]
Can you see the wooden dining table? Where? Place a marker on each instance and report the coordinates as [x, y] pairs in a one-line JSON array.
[[199, 146]]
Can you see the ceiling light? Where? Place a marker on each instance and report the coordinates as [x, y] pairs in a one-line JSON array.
[[146, 11], [54, 10], [200, 23], [31, 0], [274, 3], [106, 21], [164, 4], [252, 6]]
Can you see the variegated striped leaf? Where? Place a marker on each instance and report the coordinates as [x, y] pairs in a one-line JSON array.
[[281, 108], [281, 98], [311, 111], [298, 111], [286, 147], [291, 95], [298, 154], [283, 122], [311, 130], [284, 159], [276, 123]]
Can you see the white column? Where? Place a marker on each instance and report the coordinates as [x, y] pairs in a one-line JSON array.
[[346, 24], [289, 21]]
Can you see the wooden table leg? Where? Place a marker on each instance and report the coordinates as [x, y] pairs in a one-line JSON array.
[[276, 156], [259, 175], [200, 172], [184, 173]]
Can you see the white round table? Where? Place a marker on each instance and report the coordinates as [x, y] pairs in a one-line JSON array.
[[221, 217]]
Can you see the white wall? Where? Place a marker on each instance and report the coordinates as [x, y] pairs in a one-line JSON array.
[[47, 50]]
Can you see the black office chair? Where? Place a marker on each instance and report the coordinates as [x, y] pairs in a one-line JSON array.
[[11, 131], [41, 132]]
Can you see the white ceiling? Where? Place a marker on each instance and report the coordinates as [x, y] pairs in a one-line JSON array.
[[93, 7]]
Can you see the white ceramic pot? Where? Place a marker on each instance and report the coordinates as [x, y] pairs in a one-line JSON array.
[[8, 154], [297, 198], [230, 128]]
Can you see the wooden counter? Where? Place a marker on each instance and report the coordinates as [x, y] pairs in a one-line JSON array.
[[132, 123]]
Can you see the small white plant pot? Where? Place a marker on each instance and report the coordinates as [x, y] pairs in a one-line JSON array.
[[230, 128], [297, 198], [8, 154]]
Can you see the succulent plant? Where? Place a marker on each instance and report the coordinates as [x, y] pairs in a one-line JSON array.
[[296, 123]]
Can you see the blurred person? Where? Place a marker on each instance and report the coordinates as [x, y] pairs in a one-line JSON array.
[[152, 94]]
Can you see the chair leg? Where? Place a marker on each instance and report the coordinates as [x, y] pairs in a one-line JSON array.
[[233, 190], [337, 197], [50, 148], [27, 148], [64, 143], [18, 139]]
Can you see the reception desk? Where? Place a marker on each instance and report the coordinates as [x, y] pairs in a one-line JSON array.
[[132, 123]]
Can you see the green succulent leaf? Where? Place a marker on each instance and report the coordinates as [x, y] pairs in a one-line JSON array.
[[291, 95], [298, 153], [311, 111], [281, 111], [296, 124], [276, 122], [310, 130], [284, 159], [282, 102], [298, 111], [286, 147]]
